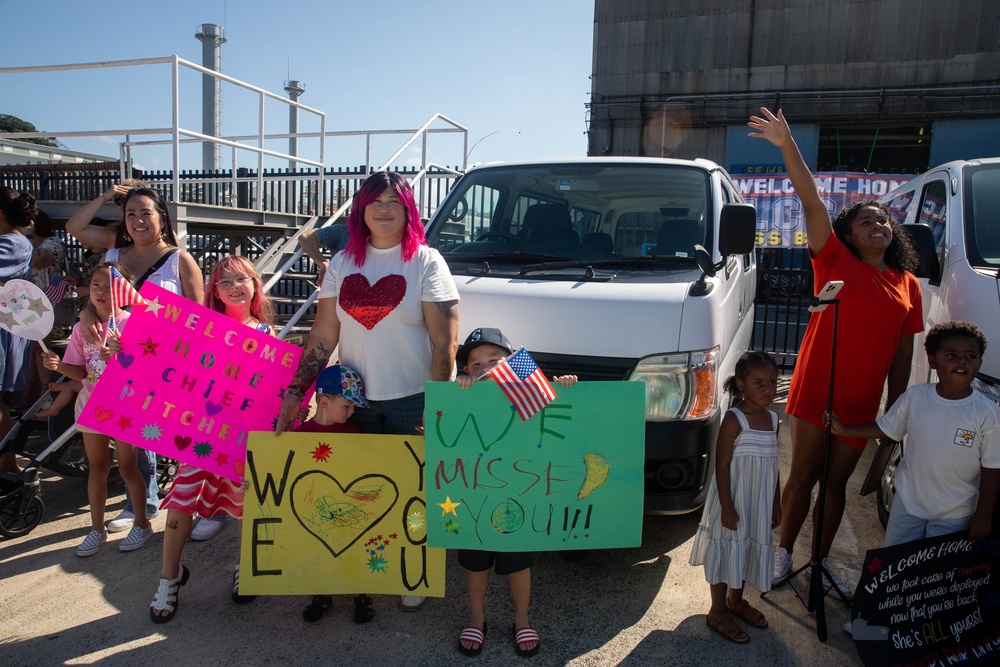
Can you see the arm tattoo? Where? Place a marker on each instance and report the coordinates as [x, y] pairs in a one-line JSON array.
[[313, 361], [449, 309]]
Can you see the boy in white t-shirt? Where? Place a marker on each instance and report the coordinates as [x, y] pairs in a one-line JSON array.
[[949, 477]]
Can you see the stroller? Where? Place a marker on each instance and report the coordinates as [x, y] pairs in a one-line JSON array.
[[60, 450]]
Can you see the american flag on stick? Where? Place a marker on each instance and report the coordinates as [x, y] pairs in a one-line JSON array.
[[523, 382], [122, 295]]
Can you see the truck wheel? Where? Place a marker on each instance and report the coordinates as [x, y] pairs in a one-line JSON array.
[[886, 487]]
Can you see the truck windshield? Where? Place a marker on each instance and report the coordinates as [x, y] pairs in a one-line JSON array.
[[982, 213], [576, 212]]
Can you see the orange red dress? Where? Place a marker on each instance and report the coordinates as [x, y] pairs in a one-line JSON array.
[[876, 309]]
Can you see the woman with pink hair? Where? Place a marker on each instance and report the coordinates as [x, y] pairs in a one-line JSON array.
[[390, 303]]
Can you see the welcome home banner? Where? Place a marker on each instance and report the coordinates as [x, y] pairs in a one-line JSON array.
[[570, 477], [330, 513], [780, 221], [191, 383]]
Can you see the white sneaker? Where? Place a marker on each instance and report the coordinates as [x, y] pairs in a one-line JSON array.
[[91, 543], [782, 565], [136, 538], [122, 522], [844, 589], [206, 529], [411, 602]]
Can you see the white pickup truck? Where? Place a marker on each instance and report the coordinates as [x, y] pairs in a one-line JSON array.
[[598, 267]]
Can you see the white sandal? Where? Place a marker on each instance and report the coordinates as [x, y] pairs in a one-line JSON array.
[[166, 597]]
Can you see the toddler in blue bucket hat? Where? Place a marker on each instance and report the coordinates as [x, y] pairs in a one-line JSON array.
[[338, 391]]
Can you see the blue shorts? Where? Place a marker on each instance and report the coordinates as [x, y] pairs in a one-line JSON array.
[[903, 527]]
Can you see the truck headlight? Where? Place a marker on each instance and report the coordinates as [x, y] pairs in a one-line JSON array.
[[679, 386]]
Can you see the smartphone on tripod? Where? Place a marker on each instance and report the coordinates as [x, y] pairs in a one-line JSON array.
[[829, 291]]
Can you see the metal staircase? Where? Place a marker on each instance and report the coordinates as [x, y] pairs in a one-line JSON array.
[[239, 210]]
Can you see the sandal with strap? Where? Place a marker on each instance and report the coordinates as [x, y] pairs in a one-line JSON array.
[[727, 627], [315, 609], [363, 610], [526, 636], [473, 635], [166, 597], [752, 616], [237, 598]]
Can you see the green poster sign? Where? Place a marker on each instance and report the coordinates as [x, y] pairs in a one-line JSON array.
[[570, 477]]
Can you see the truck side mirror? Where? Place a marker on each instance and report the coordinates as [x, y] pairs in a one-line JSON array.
[[923, 238], [737, 229]]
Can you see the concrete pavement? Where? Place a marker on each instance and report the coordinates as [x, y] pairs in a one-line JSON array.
[[642, 606]]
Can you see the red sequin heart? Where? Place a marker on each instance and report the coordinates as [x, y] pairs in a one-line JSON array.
[[368, 303]]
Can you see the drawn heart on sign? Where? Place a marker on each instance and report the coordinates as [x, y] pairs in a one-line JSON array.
[[367, 303], [212, 408], [338, 515], [182, 443], [103, 414], [125, 360]]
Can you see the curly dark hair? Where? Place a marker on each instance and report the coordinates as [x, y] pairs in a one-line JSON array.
[[747, 360], [18, 207], [901, 253], [939, 332]]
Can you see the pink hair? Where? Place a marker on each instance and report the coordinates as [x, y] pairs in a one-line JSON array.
[[260, 305], [370, 190]]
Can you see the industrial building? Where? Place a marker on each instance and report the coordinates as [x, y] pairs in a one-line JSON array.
[[881, 86]]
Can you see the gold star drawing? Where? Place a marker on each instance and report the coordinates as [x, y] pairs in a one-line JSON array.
[[451, 526], [38, 306], [154, 307], [7, 320], [448, 507]]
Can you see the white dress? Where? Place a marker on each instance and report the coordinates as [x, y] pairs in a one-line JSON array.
[[744, 554]]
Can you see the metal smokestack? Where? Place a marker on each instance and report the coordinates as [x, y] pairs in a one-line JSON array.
[[212, 37], [294, 90]]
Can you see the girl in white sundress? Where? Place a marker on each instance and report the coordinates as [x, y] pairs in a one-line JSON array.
[[733, 540]]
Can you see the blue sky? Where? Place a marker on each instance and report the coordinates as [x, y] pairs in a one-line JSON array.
[[516, 65]]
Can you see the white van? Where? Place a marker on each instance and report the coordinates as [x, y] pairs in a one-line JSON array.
[[591, 265], [953, 212]]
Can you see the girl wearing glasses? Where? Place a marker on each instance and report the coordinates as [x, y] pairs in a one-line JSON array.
[[234, 288]]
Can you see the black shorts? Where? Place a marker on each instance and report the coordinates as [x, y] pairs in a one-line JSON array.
[[501, 562]]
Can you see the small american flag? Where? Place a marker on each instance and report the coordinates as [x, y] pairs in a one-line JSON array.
[[56, 291], [523, 382], [122, 292], [122, 295]]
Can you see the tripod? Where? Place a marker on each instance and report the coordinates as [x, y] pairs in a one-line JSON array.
[[821, 580]]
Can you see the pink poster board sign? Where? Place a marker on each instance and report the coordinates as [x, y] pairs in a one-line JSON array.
[[191, 383]]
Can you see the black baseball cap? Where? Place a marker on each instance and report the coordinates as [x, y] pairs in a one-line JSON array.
[[482, 336]]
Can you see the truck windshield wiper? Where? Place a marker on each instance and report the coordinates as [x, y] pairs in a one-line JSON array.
[[501, 256], [571, 264]]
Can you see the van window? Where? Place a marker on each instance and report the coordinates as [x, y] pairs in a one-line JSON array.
[[470, 216], [576, 211], [900, 205], [982, 210], [933, 209]]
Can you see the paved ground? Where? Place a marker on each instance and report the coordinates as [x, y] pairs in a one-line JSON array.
[[642, 606]]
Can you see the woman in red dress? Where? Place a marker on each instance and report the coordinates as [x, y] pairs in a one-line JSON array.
[[880, 310]]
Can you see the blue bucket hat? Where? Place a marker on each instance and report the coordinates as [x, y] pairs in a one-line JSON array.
[[343, 381]]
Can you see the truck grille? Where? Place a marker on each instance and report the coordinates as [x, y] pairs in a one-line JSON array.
[[584, 367]]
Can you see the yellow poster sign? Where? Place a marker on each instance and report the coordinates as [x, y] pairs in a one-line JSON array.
[[330, 513]]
